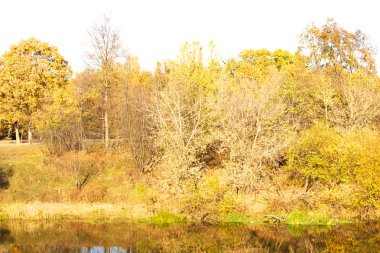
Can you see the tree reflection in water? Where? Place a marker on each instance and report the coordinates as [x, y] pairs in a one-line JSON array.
[[131, 237]]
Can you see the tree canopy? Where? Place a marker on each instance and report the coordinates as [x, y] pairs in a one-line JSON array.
[[332, 45], [30, 72]]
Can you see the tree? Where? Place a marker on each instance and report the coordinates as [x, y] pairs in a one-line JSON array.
[[139, 122], [106, 49], [257, 64], [88, 93], [333, 46], [30, 73], [251, 124], [182, 109]]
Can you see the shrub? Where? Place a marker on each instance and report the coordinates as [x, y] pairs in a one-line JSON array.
[[5, 173], [210, 201], [80, 165], [318, 156], [330, 157]]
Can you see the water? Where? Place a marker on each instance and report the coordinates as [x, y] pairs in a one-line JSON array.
[[131, 237]]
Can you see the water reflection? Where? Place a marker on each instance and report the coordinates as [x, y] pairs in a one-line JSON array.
[[130, 238], [101, 249]]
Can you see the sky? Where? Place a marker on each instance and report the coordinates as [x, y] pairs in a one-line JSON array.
[[154, 30]]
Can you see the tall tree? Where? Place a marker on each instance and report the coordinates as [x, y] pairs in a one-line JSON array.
[[106, 49], [333, 46], [30, 73]]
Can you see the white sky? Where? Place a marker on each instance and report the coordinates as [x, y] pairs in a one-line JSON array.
[[155, 30]]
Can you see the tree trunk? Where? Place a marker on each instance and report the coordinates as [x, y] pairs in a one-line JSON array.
[[106, 130], [29, 135], [106, 126], [17, 133]]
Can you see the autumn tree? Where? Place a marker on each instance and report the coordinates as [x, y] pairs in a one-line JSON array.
[[87, 92], [30, 73], [182, 111], [139, 125], [252, 125], [59, 124], [106, 48], [333, 46], [256, 64]]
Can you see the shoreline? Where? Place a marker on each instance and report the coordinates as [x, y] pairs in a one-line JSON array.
[[106, 212]]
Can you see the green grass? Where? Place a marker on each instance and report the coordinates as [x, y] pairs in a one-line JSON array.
[[298, 217], [3, 216], [237, 218]]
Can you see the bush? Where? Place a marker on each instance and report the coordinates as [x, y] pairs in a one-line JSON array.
[[331, 158], [365, 172], [318, 156], [210, 201], [5, 173], [80, 165]]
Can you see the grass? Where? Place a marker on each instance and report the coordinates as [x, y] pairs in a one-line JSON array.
[[36, 178], [298, 217], [163, 219], [237, 218], [31, 180], [77, 211]]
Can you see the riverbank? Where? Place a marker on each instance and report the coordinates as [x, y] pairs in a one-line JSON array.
[[44, 187], [70, 211], [100, 212]]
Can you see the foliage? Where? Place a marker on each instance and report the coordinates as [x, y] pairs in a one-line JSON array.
[[31, 72], [216, 136], [257, 64], [210, 201], [59, 123], [332, 45], [5, 173], [318, 156], [327, 156], [251, 118]]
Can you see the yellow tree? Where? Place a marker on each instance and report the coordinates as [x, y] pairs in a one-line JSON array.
[[30, 73], [139, 124], [89, 96], [182, 110], [257, 64]]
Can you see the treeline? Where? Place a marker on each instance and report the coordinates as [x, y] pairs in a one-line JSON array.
[[261, 121]]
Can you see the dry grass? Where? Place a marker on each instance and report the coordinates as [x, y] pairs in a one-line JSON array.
[[40, 190], [88, 211]]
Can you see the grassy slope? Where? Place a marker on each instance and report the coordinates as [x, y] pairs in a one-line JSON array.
[[31, 181], [38, 190]]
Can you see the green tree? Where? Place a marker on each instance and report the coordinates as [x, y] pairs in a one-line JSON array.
[[30, 73]]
